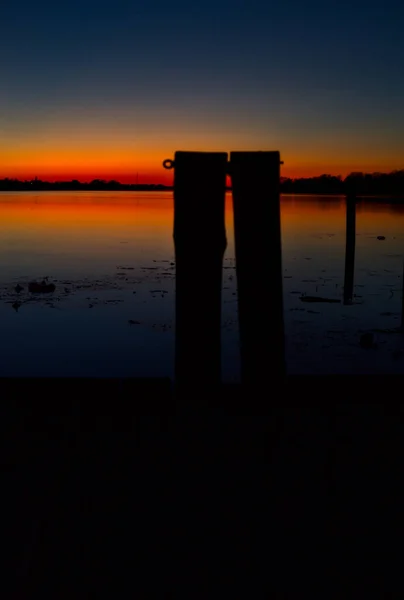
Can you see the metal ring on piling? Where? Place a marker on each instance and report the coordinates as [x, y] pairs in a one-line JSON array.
[[168, 163]]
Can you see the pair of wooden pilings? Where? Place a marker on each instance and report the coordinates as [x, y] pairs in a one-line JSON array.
[[200, 242]]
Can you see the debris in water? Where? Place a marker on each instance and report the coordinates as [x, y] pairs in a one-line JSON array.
[[396, 330], [41, 288], [381, 237], [132, 322], [367, 340], [318, 299]]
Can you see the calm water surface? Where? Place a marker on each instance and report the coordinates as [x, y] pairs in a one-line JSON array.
[[111, 256]]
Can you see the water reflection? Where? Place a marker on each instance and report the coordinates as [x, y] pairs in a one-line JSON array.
[[111, 257]]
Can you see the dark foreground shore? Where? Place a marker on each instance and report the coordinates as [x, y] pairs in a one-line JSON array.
[[129, 487]]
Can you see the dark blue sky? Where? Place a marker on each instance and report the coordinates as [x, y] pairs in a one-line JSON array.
[[317, 75]]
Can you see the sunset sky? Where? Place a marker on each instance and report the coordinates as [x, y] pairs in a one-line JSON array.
[[108, 89]]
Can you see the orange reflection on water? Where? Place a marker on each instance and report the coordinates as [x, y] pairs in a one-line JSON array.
[[63, 210], [88, 215], [101, 229], [324, 213]]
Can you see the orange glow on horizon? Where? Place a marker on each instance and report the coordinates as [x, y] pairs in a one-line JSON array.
[[127, 164], [131, 145]]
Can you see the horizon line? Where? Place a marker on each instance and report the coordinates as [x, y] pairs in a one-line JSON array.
[[137, 184]]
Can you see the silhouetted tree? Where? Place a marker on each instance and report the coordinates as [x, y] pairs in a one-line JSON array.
[[363, 184]]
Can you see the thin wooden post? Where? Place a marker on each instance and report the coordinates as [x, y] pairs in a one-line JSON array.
[[350, 249], [402, 301], [200, 242], [257, 229]]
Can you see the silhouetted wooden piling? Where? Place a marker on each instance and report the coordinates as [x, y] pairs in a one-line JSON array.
[[257, 229], [200, 242], [350, 248], [402, 301]]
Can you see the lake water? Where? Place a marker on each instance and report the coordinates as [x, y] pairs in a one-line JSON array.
[[111, 257]]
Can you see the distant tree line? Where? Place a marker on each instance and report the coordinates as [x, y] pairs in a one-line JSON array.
[[362, 184], [325, 184]]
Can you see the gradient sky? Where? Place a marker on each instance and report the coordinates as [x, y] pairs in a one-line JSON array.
[[97, 88]]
